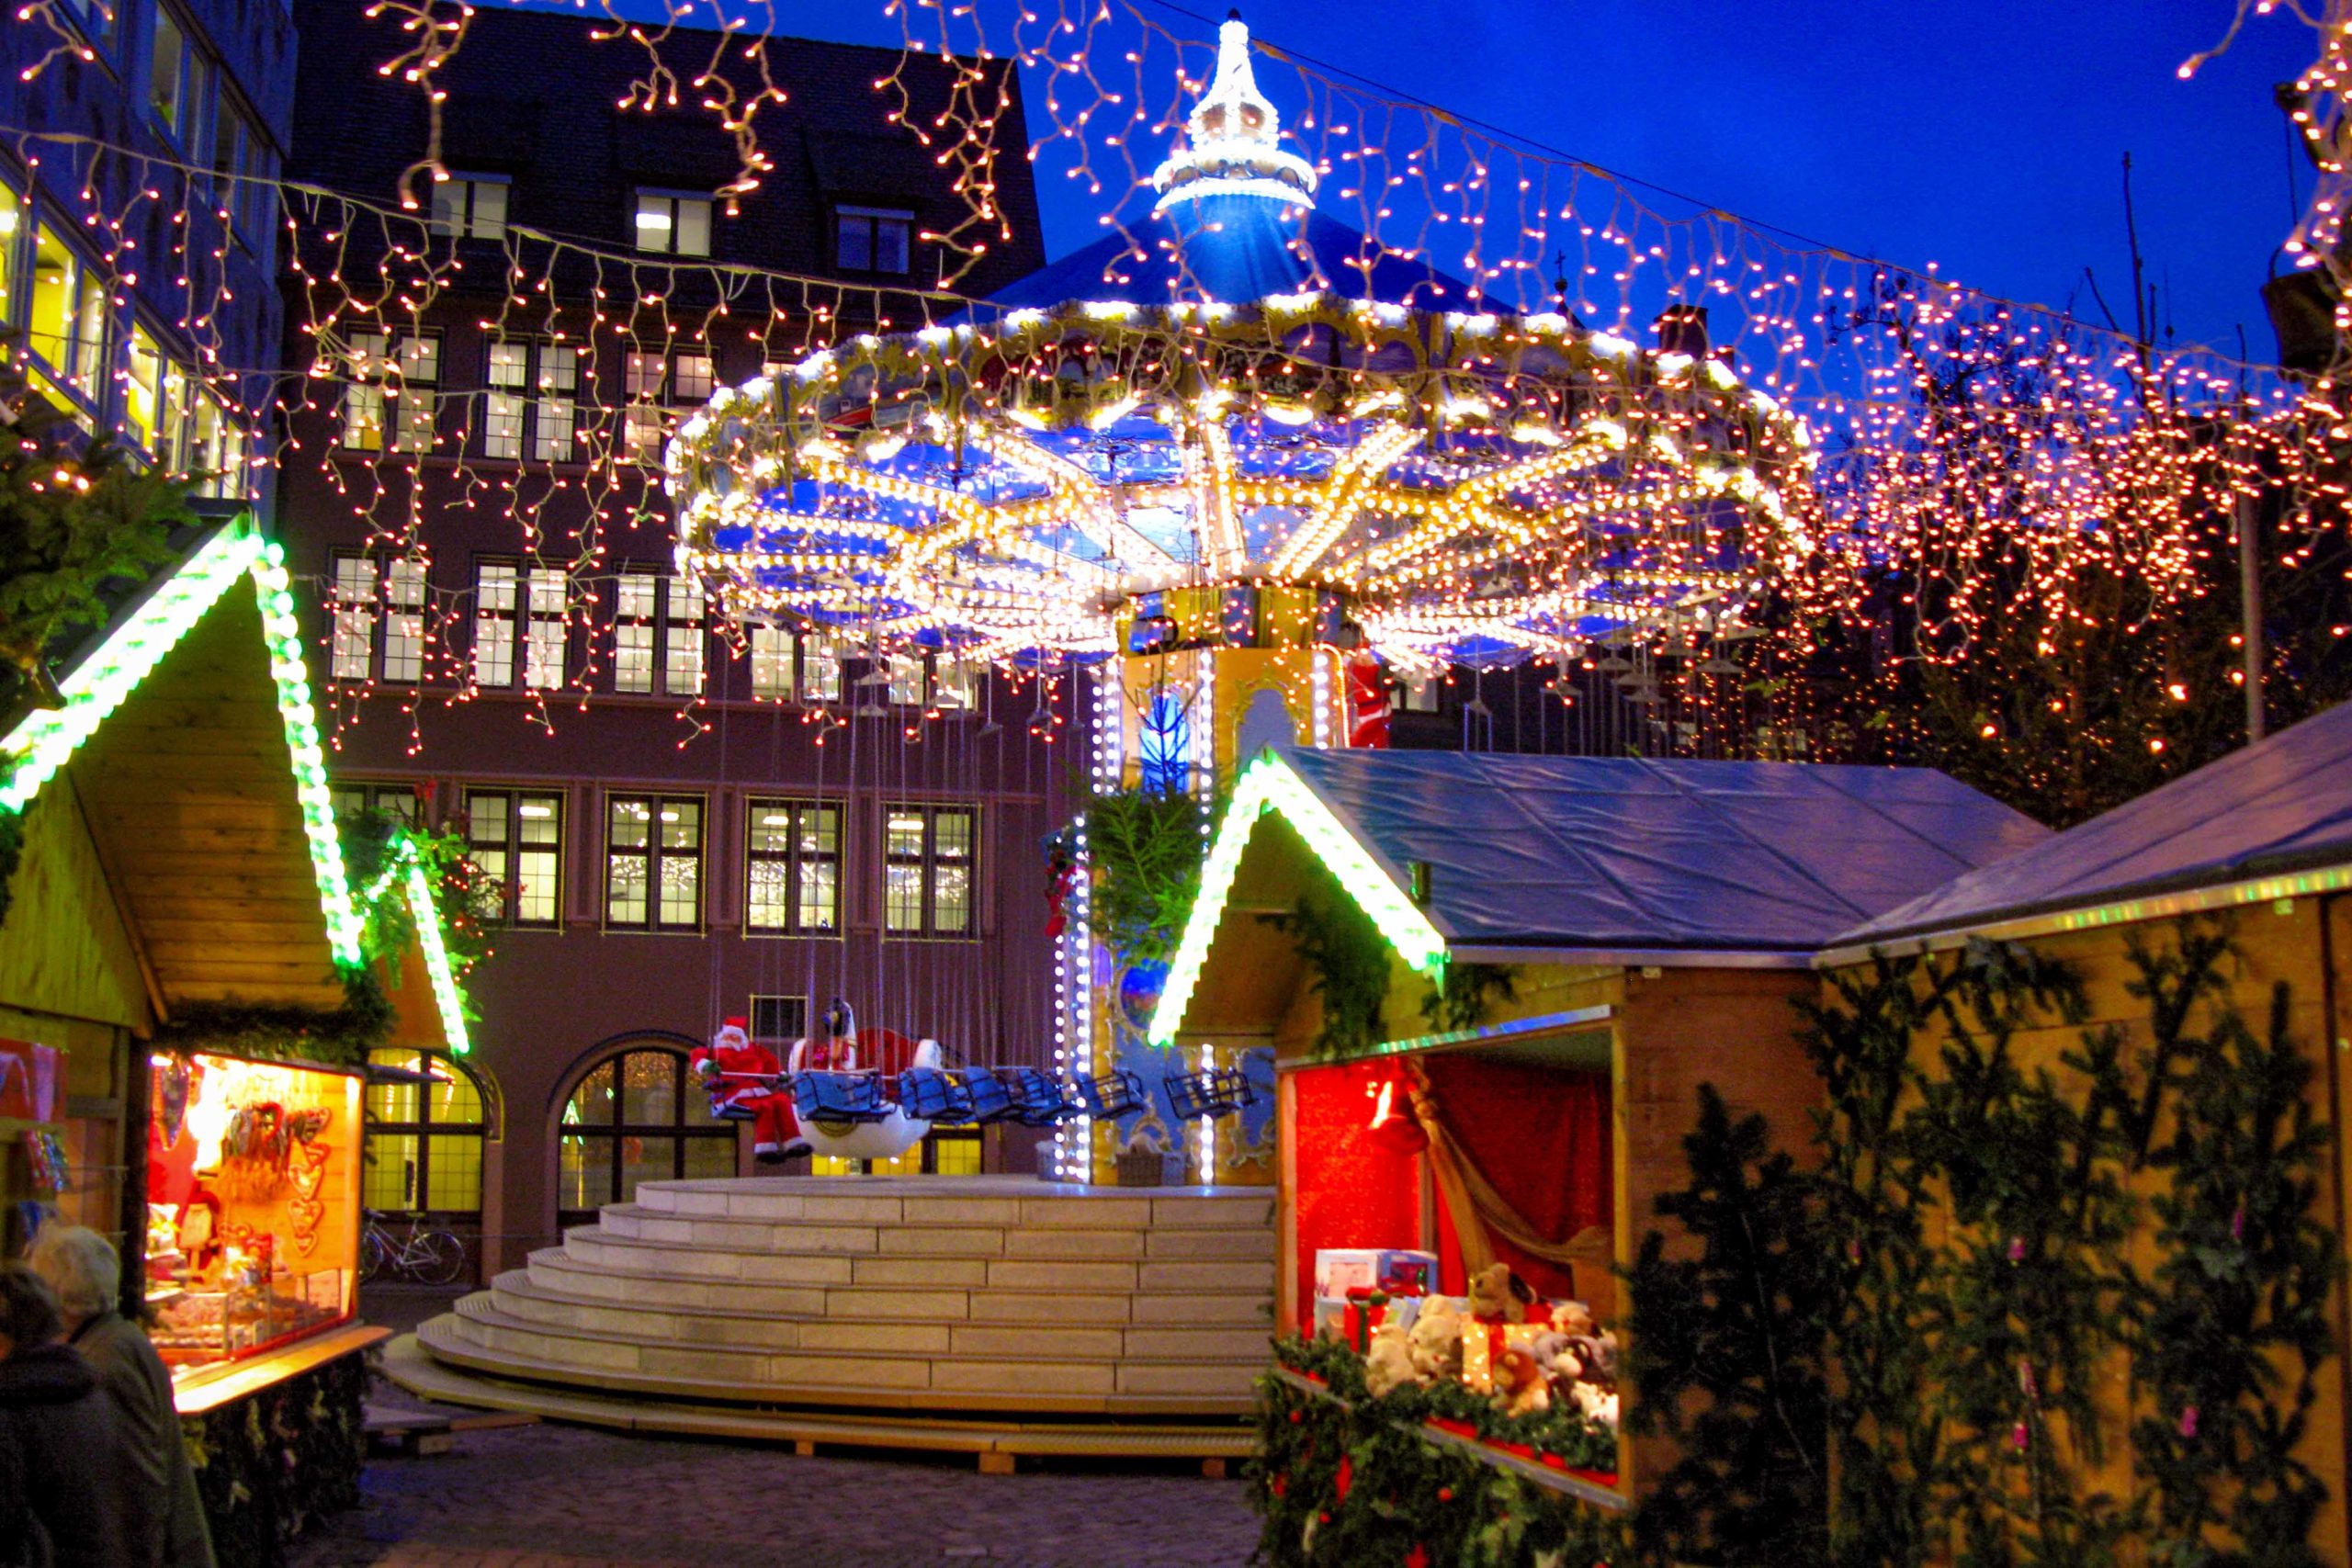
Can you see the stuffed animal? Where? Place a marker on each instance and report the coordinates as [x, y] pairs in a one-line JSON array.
[[1498, 1295], [1388, 1364], [1595, 1405], [1521, 1387], [1597, 1353], [1436, 1341], [1557, 1354], [1573, 1319]]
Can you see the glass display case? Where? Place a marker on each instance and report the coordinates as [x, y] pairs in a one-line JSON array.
[[253, 1206]]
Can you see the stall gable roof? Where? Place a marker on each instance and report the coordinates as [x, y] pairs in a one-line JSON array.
[[1605, 855], [175, 781], [2278, 807]]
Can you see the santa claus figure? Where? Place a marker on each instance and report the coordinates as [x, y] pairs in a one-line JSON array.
[[744, 1084], [1367, 702]]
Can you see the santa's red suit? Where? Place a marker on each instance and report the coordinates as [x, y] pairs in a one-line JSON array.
[[741, 1080], [1367, 702]]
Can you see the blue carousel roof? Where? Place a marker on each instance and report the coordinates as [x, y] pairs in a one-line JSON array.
[[1236, 248]]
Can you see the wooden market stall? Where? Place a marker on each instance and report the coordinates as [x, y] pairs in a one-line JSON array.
[[2234, 875], [179, 869], [1614, 932]]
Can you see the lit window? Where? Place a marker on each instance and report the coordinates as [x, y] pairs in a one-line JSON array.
[[393, 386], [820, 670], [632, 1118], [691, 380], [673, 225], [955, 684], [871, 239], [793, 877], [167, 69], [352, 654], [1422, 694], [549, 604], [530, 402], [219, 450], [238, 160], [516, 837], [653, 863], [423, 1140], [496, 591], [393, 799], [148, 393], [771, 663], [470, 206], [97, 19], [405, 620], [906, 679], [927, 872], [12, 225], [67, 326], [637, 606], [683, 639]]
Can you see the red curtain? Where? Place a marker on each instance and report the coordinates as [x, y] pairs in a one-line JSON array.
[[1540, 1137], [1350, 1191]]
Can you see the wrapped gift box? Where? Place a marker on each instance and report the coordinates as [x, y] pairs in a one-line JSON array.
[[1339, 1270], [1353, 1320], [1484, 1343]]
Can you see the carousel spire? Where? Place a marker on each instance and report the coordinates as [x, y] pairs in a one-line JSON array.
[[1231, 138]]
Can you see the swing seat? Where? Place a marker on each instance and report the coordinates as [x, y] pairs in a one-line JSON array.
[[837, 1098], [991, 1101], [1037, 1100], [929, 1095], [1219, 1091], [1118, 1092]]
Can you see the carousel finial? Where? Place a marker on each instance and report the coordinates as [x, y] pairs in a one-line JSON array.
[[1232, 137]]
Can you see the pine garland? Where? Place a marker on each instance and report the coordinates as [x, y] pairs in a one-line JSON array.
[[1349, 958]]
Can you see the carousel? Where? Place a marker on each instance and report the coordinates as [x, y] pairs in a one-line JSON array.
[[1236, 471]]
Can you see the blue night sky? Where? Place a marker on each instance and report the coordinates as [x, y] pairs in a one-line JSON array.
[[1984, 135]]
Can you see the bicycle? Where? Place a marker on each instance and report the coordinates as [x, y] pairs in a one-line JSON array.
[[428, 1258]]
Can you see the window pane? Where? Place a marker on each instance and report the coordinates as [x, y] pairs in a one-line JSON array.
[[693, 381], [951, 906], [708, 1157], [592, 1103], [820, 670], [645, 375], [856, 244], [585, 1177], [625, 889], [952, 835], [891, 244], [771, 662], [655, 222], [486, 818], [165, 90], [394, 1101], [906, 678], [535, 887], [681, 825], [649, 1089], [771, 830], [906, 834], [454, 1101], [389, 1178], [449, 208], [902, 903], [681, 891], [694, 228], [820, 829], [453, 1176], [490, 209], [629, 824], [510, 365], [647, 1160], [770, 891], [541, 819], [820, 891]]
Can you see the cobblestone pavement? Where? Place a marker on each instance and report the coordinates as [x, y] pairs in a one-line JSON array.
[[551, 1496]]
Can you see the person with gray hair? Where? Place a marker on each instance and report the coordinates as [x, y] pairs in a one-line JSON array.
[[167, 1518], [63, 1470]]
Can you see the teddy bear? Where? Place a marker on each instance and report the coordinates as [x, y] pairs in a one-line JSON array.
[[1389, 1363], [1435, 1341], [1557, 1354], [1596, 1405], [1521, 1387], [1498, 1295], [1573, 1319]]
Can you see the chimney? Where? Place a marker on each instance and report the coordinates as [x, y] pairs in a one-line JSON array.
[[1682, 329]]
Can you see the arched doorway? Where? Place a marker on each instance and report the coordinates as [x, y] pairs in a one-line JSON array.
[[430, 1118], [635, 1116]]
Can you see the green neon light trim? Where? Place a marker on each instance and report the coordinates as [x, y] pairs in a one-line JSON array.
[[1271, 784], [284, 636], [447, 994], [40, 744]]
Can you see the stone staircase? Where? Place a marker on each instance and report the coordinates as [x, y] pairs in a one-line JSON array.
[[1002, 1298]]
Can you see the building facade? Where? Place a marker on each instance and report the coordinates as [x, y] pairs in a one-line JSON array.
[[140, 226], [682, 827]]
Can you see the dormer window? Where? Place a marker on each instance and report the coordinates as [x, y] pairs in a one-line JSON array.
[[671, 224], [872, 239], [470, 206]]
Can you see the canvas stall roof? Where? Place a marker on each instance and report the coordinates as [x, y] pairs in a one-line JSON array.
[[2280, 808], [1628, 853]]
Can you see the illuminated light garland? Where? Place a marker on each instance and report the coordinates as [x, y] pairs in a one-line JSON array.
[[104, 679], [1271, 784], [448, 997]]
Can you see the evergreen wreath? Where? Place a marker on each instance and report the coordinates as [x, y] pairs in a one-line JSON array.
[[1349, 960]]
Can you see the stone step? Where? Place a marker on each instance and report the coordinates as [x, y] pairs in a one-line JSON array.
[[967, 1200], [520, 1295], [831, 1238], [632, 1279], [599, 1244], [420, 1368], [748, 1374]]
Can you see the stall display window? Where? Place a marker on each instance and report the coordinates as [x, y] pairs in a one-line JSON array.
[[254, 1181]]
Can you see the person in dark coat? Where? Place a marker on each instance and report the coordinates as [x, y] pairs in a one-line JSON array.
[[167, 1522], [63, 1475]]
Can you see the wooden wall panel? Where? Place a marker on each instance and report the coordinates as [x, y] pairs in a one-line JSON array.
[[64, 948]]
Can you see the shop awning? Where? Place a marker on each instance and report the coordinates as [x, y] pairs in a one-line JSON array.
[[2280, 809]]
